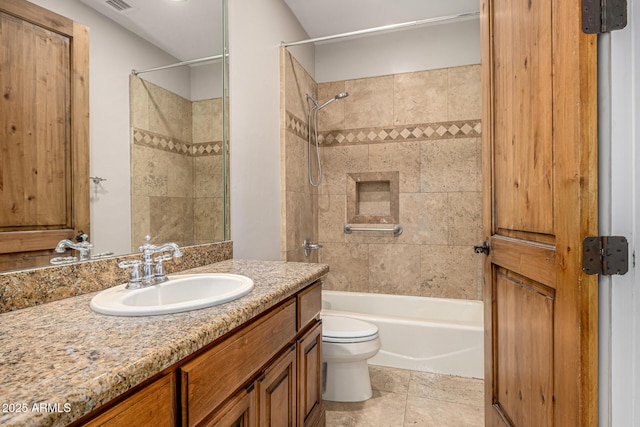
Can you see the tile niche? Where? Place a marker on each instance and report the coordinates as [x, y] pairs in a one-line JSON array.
[[373, 197]]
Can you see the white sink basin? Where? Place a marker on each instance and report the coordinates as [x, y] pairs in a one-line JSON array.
[[181, 293]]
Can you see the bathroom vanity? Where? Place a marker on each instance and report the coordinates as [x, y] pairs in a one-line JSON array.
[[253, 361]]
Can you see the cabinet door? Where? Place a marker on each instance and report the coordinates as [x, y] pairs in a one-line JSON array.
[[239, 412], [310, 377], [277, 392]]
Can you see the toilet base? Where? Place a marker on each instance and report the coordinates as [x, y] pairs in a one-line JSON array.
[[347, 382]]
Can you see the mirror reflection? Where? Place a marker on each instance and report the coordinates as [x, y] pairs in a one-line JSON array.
[[176, 165], [157, 140]]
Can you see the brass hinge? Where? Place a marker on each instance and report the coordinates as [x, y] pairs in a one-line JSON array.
[[603, 16], [606, 255]]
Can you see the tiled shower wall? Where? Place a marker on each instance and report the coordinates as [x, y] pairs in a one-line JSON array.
[[426, 126], [299, 214], [176, 167]]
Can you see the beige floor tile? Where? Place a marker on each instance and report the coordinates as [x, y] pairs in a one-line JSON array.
[[425, 412], [468, 391], [389, 379], [382, 410], [410, 398]]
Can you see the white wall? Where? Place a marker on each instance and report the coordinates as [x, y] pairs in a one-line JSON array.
[[625, 220], [256, 29], [415, 49], [206, 81], [114, 51]]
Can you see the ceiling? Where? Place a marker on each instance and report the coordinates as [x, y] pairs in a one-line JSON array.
[[325, 17], [191, 29], [185, 29]]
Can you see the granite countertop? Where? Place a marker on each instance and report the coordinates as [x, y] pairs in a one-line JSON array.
[[61, 360]]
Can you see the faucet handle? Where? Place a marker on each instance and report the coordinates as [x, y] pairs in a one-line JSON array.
[[85, 251], [159, 274], [135, 280]]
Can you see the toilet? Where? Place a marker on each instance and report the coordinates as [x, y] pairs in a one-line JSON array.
[[347, 343]]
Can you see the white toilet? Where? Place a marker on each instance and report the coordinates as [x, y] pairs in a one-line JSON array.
[[347, 343]]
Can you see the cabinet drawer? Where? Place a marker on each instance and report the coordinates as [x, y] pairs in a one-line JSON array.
[[152, 406], [209, 379], [309, 303]]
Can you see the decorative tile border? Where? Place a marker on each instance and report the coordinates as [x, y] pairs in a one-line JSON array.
[[213, 148], [427, 131], [376, 135], [146, 138], [297, 126]]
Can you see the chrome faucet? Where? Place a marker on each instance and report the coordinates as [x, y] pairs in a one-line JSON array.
[[152, 274], [83, 246]]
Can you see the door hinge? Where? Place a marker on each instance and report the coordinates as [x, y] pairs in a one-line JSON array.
[[605, 255], [603, 16]]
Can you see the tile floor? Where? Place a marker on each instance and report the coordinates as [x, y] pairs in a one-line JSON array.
[[409, 398]]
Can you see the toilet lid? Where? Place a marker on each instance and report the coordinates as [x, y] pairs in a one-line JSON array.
[[347, 329]]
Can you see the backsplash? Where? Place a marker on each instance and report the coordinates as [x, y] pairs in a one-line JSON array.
[[22, 289]]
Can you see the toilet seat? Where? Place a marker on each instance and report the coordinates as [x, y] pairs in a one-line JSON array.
[[340, 329]]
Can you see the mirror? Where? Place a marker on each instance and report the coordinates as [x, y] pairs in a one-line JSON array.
[[182, 166]]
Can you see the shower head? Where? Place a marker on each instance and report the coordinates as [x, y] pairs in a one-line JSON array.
[[338, 96]]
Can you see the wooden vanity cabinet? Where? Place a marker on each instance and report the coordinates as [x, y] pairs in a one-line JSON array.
[[209, 379], [288, 386], [266, 373]]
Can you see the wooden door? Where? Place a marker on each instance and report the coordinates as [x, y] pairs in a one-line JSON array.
[[540, 201], [44, 136]]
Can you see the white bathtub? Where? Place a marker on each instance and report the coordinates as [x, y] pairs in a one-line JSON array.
[[422, 334]]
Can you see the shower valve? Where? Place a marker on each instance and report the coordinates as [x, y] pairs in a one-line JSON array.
[[308, 247]]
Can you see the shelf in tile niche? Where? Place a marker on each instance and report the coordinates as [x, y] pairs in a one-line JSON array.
[[373, 197]]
